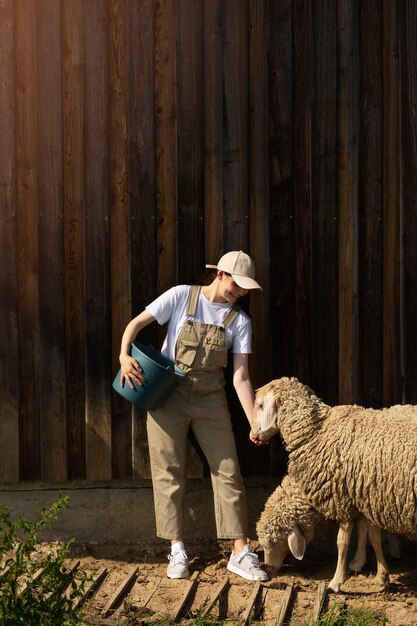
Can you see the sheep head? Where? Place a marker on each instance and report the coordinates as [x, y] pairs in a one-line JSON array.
[[275, 554], [276, 404]]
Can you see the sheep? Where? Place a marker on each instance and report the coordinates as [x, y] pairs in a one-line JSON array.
[[288, 522], [345, 459]]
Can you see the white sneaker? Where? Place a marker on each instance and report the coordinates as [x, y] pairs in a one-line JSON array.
[[178, 564], [246, 565]]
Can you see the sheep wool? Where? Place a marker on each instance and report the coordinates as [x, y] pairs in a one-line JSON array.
[[347, 460], [286, 507]]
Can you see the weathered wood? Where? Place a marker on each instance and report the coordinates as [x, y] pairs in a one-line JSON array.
[[284, 606], [409, 182], [213, 131], [97, 247], [371, 214], [151, 593], [73, 205], [120, 591], [51, 372], [142, 194], [189, 158], [392, 365], [302, 185], [91, 586], [258, 190], [235, 138], [281, 222], [348, 131], [166, 144], [140, 140], [319, 600], [9, 331], [251, 603], [70, 569], [324, 292], [119, 222], [27, 239], [183, 601], [25, 585], [189, 104], [220, 589]]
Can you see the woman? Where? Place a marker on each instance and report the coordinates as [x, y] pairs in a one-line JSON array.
[[203, 323]]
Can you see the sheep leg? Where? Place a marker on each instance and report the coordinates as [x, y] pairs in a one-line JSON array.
[[359, 559], [343, 538], [382, 571]]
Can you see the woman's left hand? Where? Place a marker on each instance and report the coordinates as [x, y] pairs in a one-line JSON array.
[[254, 439]]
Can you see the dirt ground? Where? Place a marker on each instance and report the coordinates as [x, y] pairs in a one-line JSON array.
[[152, 596]]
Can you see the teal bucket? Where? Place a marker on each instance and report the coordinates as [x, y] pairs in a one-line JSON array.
[[161, 376]]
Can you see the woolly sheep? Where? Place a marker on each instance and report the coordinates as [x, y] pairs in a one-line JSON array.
[[347, 460], [288, 522]]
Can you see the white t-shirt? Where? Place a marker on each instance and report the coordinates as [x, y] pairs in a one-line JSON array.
[[171, 307]]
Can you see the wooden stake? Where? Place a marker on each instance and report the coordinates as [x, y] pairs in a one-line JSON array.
[[183, 601], [251, 602], [284, 605], [320, 596], [98, 578], [119, 592], [217, 595]]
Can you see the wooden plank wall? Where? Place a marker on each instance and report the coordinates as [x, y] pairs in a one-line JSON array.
[[140, 139]]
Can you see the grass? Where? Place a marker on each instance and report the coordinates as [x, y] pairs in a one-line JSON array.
[[340, 615], [36, 589]]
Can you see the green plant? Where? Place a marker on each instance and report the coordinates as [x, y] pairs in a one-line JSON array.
[[36, 589], [340, 615]]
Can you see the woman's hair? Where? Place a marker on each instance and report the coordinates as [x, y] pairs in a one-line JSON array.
[[207, 277]]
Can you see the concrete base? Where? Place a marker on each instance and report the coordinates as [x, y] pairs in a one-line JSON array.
[[122, 512]]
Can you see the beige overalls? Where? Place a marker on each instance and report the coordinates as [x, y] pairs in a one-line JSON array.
[[198, 403]]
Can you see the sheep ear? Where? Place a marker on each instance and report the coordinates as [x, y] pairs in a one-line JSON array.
[[268, 413], [296, 542]]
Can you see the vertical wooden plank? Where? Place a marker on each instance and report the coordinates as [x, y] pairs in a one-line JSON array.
[[392, 365], [141, 154], [408, 11], [9, 362], [166, 143], [302, 184], [235, 121], [281, 224], [73, 172], [189, 80], [235, 23], [281, 219], [97, 246], [190, 141], [118, 31], [370, 205], [213, 130], [256, 458], [142, 192], [259, 191], [347, 102], [27, 220], [324, 375], [53, 426]]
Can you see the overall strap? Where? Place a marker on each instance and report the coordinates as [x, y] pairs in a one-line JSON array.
[[231, 315], [193, 299], [192, 306]]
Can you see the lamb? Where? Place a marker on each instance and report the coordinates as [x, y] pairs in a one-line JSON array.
[[288, 522], [343, 458]]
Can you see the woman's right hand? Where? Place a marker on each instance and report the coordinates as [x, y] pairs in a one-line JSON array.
[[130, 370]]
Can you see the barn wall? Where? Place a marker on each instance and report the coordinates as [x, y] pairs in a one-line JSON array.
[[140, 139]]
